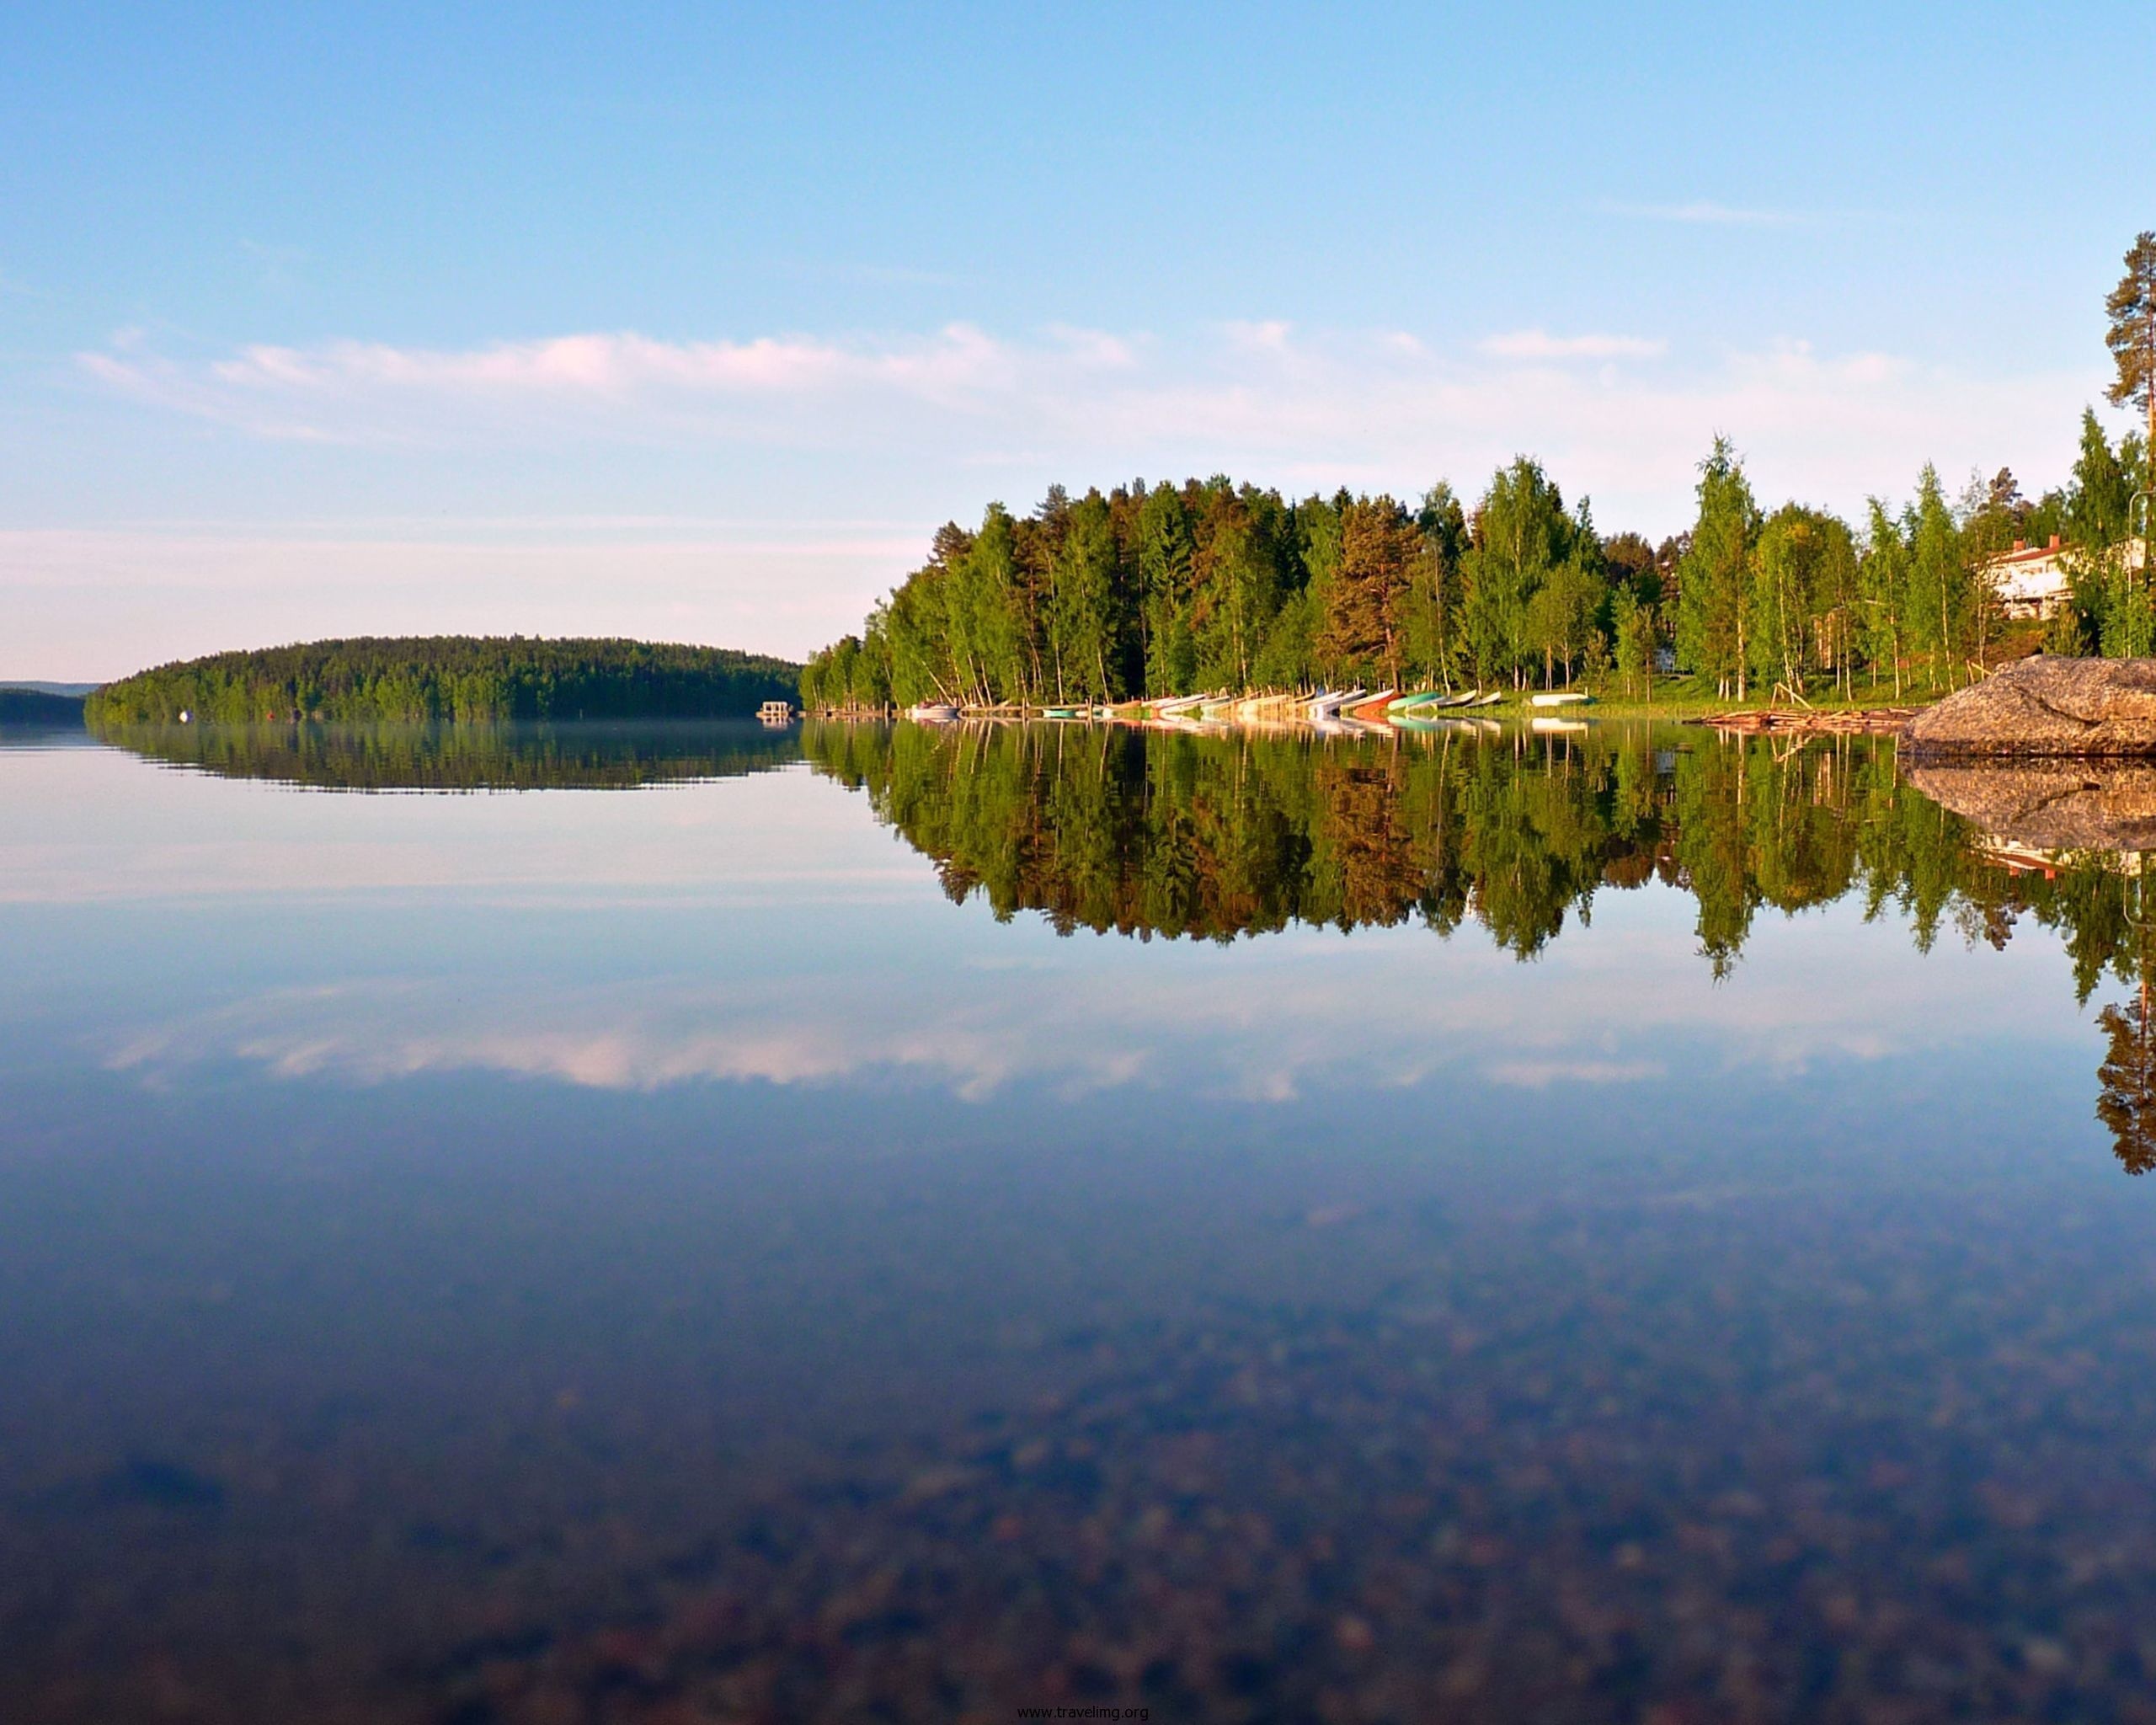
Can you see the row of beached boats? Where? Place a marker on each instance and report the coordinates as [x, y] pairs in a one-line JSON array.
[[1352, 707]]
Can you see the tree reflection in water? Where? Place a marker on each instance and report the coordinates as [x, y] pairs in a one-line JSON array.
[[1216, 836], [2125, 1100], [600, 754], [1221, 836]]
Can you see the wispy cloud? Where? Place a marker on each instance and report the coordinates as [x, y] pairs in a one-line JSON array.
[[363, 391], [1707, 212], [1540, 344], [1095, 347], [1264, 397], [1269, 335]]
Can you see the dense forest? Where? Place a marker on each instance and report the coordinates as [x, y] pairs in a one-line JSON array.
[[449, 757], [1167, 590], [456, 678], [1154, 590]]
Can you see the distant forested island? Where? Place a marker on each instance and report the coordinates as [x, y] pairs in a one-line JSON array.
[[454, 678]]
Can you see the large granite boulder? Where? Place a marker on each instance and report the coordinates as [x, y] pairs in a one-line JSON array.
[[2049, 805], [2044, 706]]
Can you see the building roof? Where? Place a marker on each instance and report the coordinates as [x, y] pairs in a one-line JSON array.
[[2024, 553]]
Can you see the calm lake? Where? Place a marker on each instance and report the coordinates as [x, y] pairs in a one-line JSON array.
[[698, 1223]]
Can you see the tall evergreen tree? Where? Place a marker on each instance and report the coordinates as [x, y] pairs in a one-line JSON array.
[[1715, 575], [1167, 552], [1364, 628], [2130, 308]]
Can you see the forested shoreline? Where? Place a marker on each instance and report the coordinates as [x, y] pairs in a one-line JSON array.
[[1149, 592], [453, 678]]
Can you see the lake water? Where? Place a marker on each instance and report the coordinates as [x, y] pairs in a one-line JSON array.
[[699, 1224]]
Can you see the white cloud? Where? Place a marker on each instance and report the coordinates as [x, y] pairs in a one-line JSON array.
[[1270, 336], [1095, 347], [1262, 399], [374, 390], [1540, 344]]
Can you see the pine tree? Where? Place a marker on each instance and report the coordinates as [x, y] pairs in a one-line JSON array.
[[2131, 337], [1366, 607], [1714, 574]]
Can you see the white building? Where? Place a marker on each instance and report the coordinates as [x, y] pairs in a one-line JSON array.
[[2031, 579]]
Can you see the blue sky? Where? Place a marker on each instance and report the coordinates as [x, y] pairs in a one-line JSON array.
[[693, 322]]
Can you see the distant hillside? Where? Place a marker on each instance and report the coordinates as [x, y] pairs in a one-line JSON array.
[[455, 677], [77, 689], [38, 707]]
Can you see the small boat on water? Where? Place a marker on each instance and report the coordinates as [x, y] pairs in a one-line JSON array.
[[1329, 706], [933, 712], [1066, 713], [1424, 697], [1370, 708], [1562, 698]]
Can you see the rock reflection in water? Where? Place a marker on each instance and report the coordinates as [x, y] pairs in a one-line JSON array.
[[2051, 805], [2094, 820]]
